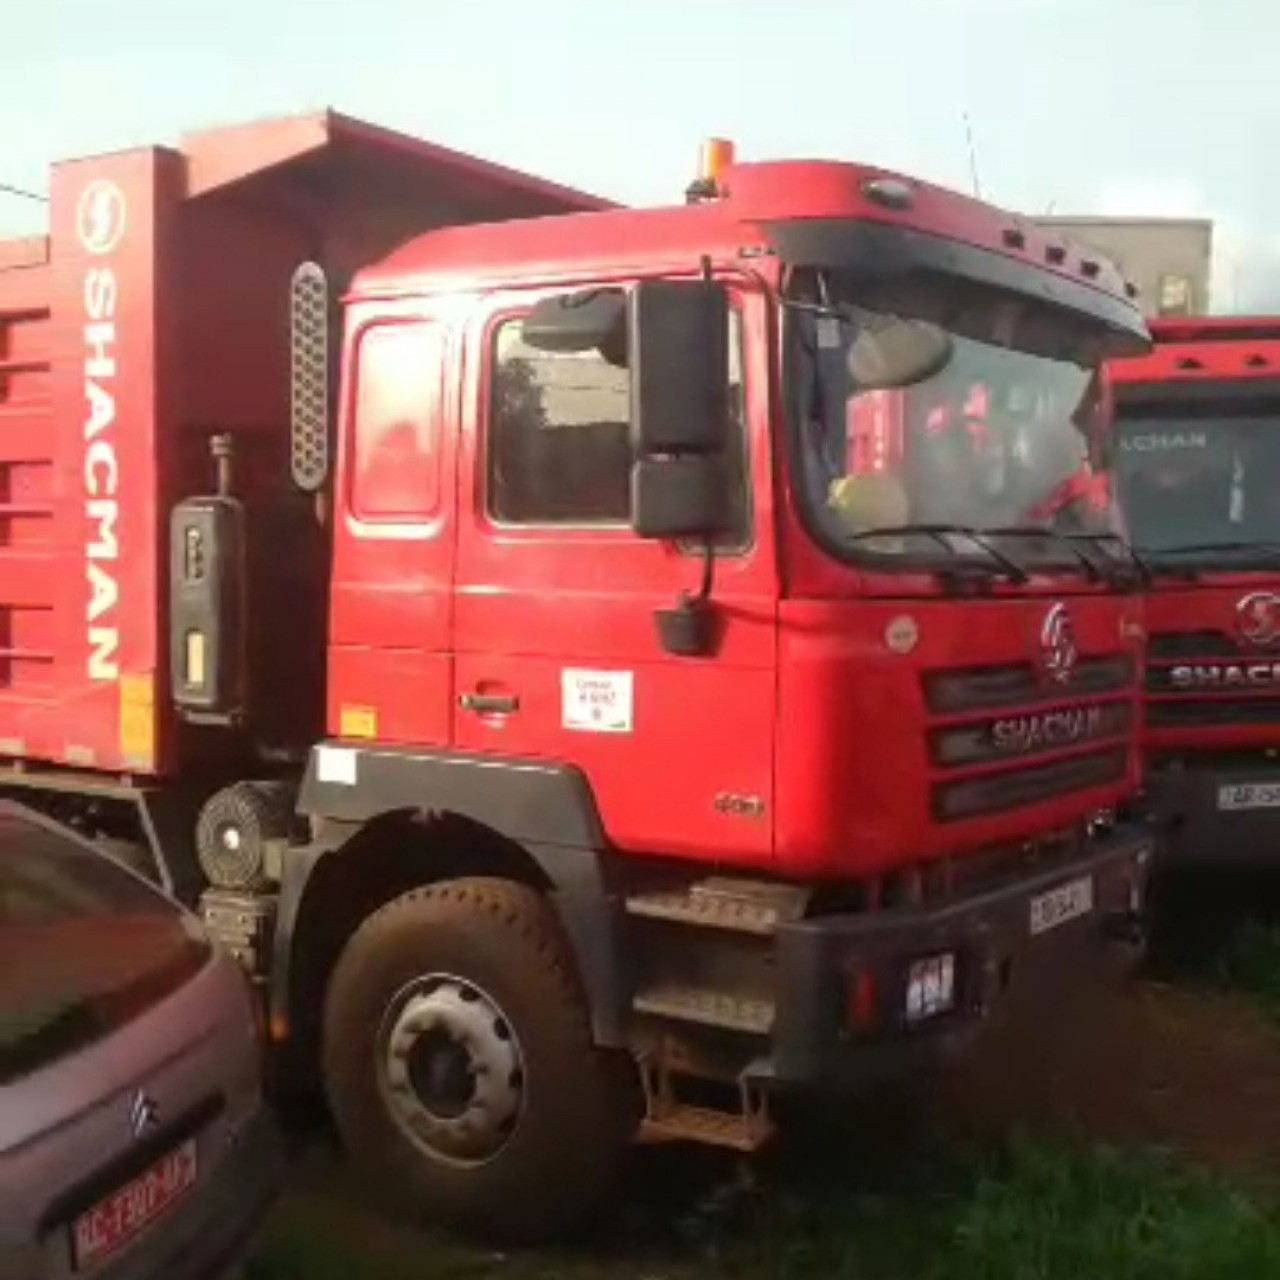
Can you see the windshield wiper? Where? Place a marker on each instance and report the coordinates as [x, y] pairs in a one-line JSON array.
[[999, 561], [1096, 570], [1172, 568], [1092, 570], [1208, 548], [1159, 565], [1141, 566]]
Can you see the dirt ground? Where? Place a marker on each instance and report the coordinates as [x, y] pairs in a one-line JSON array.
[[1193, 1071], [1148, 1063]]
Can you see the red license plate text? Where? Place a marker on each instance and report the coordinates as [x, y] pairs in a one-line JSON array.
[[114, 1222]]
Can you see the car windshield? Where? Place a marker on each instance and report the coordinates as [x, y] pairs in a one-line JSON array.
[[993, 439], [1202, 489], [85, 946]]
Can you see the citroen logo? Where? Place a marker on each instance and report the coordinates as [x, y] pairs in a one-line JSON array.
[[1258, 618], [143, 1113], [1058, 644]]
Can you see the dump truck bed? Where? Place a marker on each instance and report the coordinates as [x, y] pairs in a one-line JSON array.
[[153, 316]]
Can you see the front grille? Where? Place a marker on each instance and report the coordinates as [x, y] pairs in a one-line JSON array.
[[1195, 679], [1169, 646], [1019, 735], [1201, 712], [1017, 726], [1199, 667], [1031, 784], [991, 688]]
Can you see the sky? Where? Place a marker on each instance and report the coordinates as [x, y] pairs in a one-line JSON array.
[[1074, 106]]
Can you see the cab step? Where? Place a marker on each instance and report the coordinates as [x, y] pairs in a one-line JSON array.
[[707, 1008], [743, 906], [706, 1127], [669, 1120]]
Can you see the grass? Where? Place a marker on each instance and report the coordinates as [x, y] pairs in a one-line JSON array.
[[1249, 962], [1221, 931], [1029, 1212]]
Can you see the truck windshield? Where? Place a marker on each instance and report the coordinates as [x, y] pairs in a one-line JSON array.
[[1203, 490], [993, 441]]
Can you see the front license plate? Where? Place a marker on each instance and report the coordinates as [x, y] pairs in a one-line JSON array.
[[1066, 902], [1249, 795], [112, 1223]]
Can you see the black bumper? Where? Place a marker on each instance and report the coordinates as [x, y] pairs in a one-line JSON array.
[[1197, 831], [816, 1039]]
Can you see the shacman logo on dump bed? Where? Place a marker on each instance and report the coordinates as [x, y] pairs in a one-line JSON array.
[[100, 224]]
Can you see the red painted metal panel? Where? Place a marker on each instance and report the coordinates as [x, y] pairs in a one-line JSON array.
[[689, 769], [154, 316], [391, 624]]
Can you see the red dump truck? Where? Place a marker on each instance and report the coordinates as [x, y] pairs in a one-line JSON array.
[[1199, 478], [595, 666]]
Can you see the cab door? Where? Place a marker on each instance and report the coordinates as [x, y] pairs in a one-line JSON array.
[[391, 614], [558, 651]]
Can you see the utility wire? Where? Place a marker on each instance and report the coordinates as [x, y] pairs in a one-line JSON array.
[[22, 193]]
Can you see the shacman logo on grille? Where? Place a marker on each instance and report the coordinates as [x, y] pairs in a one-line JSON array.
[[1258, 618], [143, 1113], [1058, 644]]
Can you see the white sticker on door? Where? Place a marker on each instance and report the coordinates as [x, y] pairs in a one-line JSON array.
[[597, 701]]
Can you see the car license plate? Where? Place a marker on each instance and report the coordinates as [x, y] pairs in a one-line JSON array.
[[1249, 795], [126, 1213], [1066, 902]]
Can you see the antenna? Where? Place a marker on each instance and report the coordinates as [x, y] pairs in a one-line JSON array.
[[973, 155]]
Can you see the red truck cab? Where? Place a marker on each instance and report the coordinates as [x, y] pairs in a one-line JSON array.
[[608, 666], [1198, 467]]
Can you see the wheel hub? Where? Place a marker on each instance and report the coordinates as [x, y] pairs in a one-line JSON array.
[[451, 1069]]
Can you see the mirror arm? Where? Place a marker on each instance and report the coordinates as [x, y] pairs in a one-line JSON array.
[[708, 570], [690, 628]]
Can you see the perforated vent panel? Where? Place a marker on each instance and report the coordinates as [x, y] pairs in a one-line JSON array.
[[309, 376]]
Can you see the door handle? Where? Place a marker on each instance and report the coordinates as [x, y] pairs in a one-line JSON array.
[[489, 703]]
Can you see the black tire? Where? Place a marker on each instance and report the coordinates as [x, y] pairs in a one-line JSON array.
[[256, 812], [579, 1110]]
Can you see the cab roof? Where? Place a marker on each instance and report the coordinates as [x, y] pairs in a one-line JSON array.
[[753, 196], [1206, 348]]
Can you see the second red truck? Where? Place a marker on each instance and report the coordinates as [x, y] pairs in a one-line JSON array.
[[1198, 463]]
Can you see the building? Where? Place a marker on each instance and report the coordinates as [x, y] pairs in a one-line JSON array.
[[1169, 259]]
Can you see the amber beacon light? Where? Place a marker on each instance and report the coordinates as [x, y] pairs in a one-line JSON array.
[[716, 156]]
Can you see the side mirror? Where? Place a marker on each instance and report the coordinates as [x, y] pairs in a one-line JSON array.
[[678, 340], [676, 497], [570, 322]]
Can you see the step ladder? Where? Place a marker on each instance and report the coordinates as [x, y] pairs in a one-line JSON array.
[[667, 1119]]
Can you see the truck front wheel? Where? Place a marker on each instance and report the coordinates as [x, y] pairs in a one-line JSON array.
[[459, 1063]]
